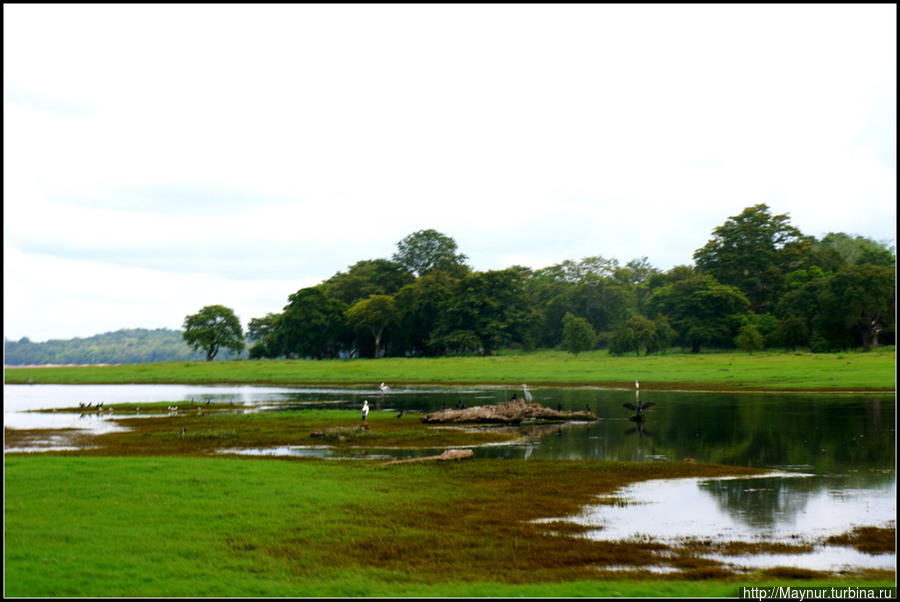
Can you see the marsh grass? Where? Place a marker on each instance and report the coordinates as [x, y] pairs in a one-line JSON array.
[[221, 527], [716, 371]]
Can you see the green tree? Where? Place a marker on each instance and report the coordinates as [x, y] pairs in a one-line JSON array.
[[639, 333], [753, 251], [701, 310], [603, 302], [749, 339], [373, 315], [213, 327], [427, 250], [664, 334], [858, 302], [367, 277], [419, 306], [492, 306], [312, 325], [857, 250], [578, 334], [636, 271], [576, 271], [790, 333]]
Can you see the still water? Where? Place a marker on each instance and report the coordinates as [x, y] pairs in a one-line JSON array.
[[835, 453]]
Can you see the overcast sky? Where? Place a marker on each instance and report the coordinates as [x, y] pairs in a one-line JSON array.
[[160, 158]]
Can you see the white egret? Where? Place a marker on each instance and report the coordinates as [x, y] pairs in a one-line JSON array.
[[527, 393], [383, 388], [637, 385], [365, 410]]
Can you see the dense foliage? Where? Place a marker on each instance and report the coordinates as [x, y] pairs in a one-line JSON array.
[[759, 282], [126, 346]]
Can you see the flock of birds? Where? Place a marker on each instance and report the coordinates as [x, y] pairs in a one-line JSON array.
[[90, 407], [99, 408]]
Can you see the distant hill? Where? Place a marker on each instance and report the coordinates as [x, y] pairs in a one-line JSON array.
[[126, 346]]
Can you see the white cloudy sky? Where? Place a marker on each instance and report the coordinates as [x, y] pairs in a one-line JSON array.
[[159, 158]]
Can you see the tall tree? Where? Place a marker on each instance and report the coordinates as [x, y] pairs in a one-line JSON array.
[[860, 301], [490, 306], [419, 306], [603, 302], [373, 315], [312, 324], [427, 250], [261, 331], [212, 327], [753, 251], [701, 311]]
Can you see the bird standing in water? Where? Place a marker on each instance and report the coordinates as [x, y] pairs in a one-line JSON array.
[[527, 393], [365, 410]]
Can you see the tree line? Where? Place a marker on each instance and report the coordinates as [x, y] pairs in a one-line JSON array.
[[125, 346], [759, 282]]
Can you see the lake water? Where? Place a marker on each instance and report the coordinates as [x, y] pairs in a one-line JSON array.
[[835, 453]]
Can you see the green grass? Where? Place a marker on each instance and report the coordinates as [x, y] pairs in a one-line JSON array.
[[874, 370], [227, 527]]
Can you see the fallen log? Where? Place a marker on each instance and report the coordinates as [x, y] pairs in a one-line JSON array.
[[510, 412], [450, 454]]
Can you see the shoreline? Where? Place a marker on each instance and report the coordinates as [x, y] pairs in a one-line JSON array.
[[606, 386]]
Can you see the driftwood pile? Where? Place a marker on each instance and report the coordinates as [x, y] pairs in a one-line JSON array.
[[510, 412]]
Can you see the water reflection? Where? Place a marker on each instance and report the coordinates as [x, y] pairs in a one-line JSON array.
[[822, 504], [787, 508]]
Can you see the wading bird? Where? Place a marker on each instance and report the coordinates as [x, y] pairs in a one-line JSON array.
[[383, 388], [527, 393], [365, 410]]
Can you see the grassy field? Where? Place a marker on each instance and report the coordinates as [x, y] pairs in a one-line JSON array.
[[847, 371], [225, 527]]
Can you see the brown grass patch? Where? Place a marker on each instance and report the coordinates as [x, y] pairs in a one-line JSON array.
[[869, 540], [790, 572], [489, 535]]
